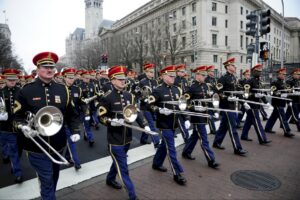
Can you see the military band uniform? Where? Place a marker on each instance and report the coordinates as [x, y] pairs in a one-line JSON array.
[[8, 136], [279, 106]]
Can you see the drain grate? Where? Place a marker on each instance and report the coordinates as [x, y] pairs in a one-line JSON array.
[[255, 180]]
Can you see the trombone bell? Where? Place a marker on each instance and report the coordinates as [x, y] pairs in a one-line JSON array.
[[130, 113]]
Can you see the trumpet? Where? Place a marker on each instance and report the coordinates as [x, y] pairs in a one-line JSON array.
[[130, 114], [47, 121], [90, 99]]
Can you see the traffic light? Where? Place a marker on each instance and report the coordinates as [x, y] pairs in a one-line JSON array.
[[265, 22], [250, 51], [251, 27], [264, 51]]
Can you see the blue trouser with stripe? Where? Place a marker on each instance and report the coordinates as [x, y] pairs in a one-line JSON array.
[[155, 138], [263, 112], [278, 112], [183, 130], [167, 148], [120, 167], [240, 116], [228, 123], [48, 174], [71, 152], [211, 122], [199, 133], [10, 149], [253, 119], [87, 128], [293, 113]]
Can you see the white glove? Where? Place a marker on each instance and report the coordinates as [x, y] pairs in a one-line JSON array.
[[116, 122], [246, 106], [4, 116], [232, 98], [284, 95], [165, 111], [145, 100], [216, 115], [147, 128], [290, 104], [258, 95], [200, 108], [187, 124], [87, 118], [75, 137], [27, 131]]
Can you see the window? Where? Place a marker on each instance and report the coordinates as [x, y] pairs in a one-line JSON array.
[[166, 45], [214, 39], [174, 14], [158, 20], [241, 41], [194, 7], [226, 23], [226, 40], [183, 42], [183, 24], [242, 24], [215, 58], [214, 6], [194, 21], [241, 10], [247, 41], [214, 21], [241, 59], [174, 27], [247, 12], [226, 9], [183, 11]]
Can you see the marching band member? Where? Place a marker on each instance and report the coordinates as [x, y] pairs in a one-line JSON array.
[[253, 113], [228, 82], [279, 105], [75, 96], [58, 77], [198, 90], [167, 123], [8, 135], [211, 81], [182, 83], [31, 98], [2, 82], [242, 82], [78, 78], [29, 78], [293, 111], [131, 83], [97, 91], [148, 81], [87, 92], [22, 80], [119, 137]]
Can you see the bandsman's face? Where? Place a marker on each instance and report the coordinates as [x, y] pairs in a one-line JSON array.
[[46, 72], [69, 81], [211, 74], [231, 69], [296, 76], [200, 77], [150, 74], [247, 75], [119, 83], [281, 76], [11, 83], [169, 79]]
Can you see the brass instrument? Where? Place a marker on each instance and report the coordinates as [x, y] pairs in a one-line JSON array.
[[145, 91], [130, 114], [210, 92], [181, 103], [247, 91], [47, 122], [2, 106], [215, 100], [90, 99]]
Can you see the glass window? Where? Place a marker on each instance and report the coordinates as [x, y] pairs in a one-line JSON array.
[[183, 24], [215, 58], [241, 59], [247, 41], [242, 23], [174, 14], [194, 21], [194, 7], [214, 21], [214, 6], [226, 23], [242, 10], [183, 42], [226, 9], [214, 39], [241, 41], [174, 27], [226, 40], [183, 11]]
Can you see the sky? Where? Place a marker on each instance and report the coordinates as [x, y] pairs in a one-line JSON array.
[[43, 25]]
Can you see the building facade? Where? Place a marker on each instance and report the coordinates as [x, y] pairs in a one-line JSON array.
[[195, 32]]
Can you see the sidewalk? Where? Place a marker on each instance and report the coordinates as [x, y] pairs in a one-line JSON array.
[[280, 159]]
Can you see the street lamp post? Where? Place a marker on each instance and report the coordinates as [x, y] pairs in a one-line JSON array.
[[282, 35]]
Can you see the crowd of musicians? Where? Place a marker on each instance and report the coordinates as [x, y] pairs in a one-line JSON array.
[[169, 103]]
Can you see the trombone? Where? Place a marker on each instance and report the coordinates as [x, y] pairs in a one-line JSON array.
[[130, 114], [47, 122], [182, 104]]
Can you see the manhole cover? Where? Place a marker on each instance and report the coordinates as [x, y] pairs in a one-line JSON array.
[[255, 180]]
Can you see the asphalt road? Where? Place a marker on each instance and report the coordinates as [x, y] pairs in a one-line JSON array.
[[85, 153]]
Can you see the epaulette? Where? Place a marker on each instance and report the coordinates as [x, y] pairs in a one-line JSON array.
[[180, 90], [26, 84]]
